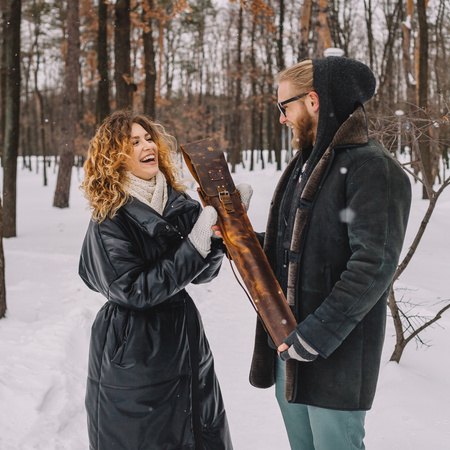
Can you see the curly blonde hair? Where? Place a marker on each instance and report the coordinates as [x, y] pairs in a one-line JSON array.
[[109, 151]]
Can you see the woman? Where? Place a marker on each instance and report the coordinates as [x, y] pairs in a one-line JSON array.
[[151, 381]]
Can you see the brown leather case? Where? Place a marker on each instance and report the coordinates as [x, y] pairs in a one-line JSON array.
[[208, 166]]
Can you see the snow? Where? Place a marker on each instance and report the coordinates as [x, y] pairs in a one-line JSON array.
[[44, 338], [407, 22], [411, 79]]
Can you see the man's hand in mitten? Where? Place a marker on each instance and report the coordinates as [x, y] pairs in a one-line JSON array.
[[245, 192], [295, 347]]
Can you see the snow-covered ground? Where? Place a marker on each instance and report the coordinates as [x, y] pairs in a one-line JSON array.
[[44, 338]]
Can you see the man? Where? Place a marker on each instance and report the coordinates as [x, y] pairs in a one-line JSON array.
[[334, 235]]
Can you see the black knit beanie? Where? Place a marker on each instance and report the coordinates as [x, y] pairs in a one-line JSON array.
[[342, 84]]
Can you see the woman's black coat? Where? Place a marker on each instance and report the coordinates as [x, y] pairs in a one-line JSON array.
[[151, 381]]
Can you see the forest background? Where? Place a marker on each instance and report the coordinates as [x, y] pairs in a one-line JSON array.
[[206, 68]]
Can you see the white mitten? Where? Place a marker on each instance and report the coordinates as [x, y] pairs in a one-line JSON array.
[[246, 192], [201, 233]]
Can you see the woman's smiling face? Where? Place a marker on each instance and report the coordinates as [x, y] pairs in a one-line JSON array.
[[144, 159]]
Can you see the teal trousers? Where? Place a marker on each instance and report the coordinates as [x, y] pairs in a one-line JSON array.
[[313, 428]]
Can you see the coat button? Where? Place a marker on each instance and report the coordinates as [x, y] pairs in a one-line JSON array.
[[167, 227]]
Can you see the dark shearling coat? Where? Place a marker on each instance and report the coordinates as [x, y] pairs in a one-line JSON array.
[[342, 259], [348, 257], [151, 381]]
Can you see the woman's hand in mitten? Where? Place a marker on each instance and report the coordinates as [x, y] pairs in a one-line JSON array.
[[200, 235]]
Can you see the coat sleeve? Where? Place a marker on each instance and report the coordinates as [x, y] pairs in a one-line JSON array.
[[214, 260], [378, 195], [121, 274]]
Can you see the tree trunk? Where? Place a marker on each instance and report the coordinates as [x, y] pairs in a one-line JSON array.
[[122, 51], [2, 269], [4, 21], [254, 102], [26, 111], [280, 47], [12, 115], [40, 117], [236, 123], [370, 39], [102, 104], [398, 325], [305, 23], [270, 116], [39, 101], [424, 141], [392, 16], [69, 127], [280, 66], [406, 55], [149, 64], [324, 31]]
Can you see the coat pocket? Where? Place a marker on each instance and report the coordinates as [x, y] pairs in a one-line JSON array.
[[120, 329]]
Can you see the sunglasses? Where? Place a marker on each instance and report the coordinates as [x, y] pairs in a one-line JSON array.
[[281, 104]]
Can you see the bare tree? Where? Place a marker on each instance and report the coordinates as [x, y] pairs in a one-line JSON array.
[[2, 268], [407, 58], [3, 24], [423, 91], [12, 114], [102, 104], [368, 12], [323, 29], [408, 326], [404, 328], [255, 104], [271, 115], [280, 59], [149, 60], [122, 49], [341, 18], [235, 145], [69, 127], [305, 24], [39, 99], [392, 13]]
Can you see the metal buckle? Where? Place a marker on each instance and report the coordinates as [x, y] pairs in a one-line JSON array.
[[225, 199]]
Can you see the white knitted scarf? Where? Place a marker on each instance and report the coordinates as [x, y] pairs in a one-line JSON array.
[[152, 192]]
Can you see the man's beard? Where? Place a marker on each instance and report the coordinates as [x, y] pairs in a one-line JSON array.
[[303, 132]]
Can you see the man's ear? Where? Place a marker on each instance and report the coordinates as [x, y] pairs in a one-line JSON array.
[[313, 100]]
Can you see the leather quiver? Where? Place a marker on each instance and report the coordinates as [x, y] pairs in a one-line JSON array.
[[209, 168]]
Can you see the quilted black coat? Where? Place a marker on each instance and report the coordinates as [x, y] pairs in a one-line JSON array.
[[151, 381]]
